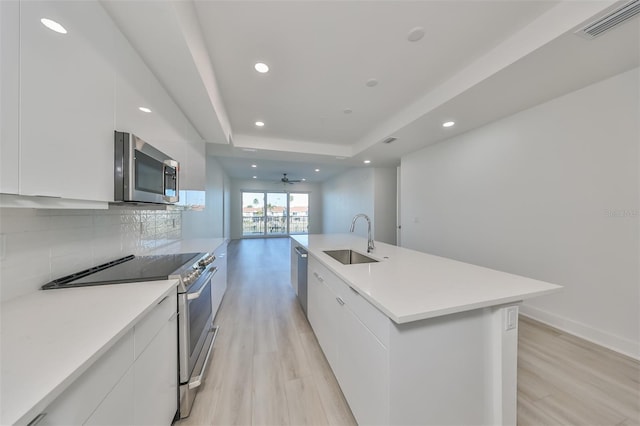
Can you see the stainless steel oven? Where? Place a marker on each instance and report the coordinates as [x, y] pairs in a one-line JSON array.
[[197, 335]]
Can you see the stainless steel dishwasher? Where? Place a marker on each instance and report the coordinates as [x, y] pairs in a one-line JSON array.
[[302, 277]]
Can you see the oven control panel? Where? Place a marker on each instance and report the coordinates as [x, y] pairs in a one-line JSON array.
[[196, 270], [206, 261]]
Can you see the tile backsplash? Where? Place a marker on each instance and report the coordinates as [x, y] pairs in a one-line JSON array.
[[37, 246]]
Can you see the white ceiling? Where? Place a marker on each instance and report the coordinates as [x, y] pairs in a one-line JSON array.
[[478, 61]]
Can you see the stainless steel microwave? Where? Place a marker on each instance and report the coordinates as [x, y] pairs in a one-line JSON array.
[[144, 174]]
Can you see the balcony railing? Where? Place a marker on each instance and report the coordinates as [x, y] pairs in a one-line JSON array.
[[255, 225]]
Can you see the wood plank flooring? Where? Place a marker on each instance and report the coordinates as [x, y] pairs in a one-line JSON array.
[[268, 369]]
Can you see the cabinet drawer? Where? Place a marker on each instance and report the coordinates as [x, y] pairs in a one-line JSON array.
[[75, 405], [377, 322], [153, 322], [368, 314]]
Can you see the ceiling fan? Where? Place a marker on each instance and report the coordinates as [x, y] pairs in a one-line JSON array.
[[285, 179]]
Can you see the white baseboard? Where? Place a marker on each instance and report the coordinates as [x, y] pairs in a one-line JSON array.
[[615, 343]]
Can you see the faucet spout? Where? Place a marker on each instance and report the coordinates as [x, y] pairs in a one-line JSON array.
[[370, 245]]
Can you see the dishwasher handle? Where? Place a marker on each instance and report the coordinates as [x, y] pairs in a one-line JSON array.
[[301, 252]]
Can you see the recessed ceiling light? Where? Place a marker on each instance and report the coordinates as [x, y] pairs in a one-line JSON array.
[[348, 111], [260, 123], [53, 26], [367, 161], [448, 123], [254, 166], [317, 170], [415, 34], [303, 179], [144, 109], [261, 67], [371, 82], [255, 177]]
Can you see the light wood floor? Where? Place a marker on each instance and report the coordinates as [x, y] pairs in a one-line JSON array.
[[267, 367]]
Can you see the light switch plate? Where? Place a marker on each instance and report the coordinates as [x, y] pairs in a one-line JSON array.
[[511, 318], [3, 246]]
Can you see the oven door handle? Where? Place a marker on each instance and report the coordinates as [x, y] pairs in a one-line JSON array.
[[196, 294], [197, 381]]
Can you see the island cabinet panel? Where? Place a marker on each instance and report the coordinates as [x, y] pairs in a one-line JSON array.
[[132, 383], [66, 101]]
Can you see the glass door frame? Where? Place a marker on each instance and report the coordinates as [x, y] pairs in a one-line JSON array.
[[264, 218]]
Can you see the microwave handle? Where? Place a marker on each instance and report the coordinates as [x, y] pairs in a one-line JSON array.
[[174, 164]]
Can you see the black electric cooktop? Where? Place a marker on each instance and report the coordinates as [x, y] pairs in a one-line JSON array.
[[127, 269]]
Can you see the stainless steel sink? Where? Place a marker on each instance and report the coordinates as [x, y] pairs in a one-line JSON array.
[[349, 257]]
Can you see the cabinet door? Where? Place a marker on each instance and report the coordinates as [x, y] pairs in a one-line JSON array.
[[219, 281], [117, 408], [9, 101], [193, 166], [363, 368], [66, 101], [323, 312], [156, 378], [76, 404]]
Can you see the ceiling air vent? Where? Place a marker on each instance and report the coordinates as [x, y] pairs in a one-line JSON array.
[[610, 20], [389, 140]]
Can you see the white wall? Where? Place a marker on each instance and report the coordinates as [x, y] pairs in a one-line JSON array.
[[37, 246], [385, 201], [211, 221], [371, 191], [343, 197], [239, 185], [550, 193]]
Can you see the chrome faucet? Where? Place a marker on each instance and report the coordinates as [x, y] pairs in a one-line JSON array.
[[370, 245]]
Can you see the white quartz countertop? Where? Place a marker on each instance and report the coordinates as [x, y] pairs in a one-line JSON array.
[[49, 338], [194, 245], [408, 285]]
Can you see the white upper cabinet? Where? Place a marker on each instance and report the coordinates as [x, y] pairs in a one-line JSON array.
[[9, 88], [165, 127], [66, 101], [64, 95], [193, 167]]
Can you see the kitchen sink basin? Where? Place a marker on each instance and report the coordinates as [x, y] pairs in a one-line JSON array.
[[349, 257]]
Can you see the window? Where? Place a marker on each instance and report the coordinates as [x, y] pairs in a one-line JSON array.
[[275, 213]]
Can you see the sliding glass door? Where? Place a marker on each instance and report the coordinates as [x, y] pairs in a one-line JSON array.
[[274, 213]]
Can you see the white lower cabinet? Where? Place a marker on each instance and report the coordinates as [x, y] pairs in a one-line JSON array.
[[363, 370], [155, 378], [358, 359], [117, 408], [127, 385], [219, 280]]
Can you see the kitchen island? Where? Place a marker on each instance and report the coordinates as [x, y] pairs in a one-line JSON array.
[[415, 338]]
